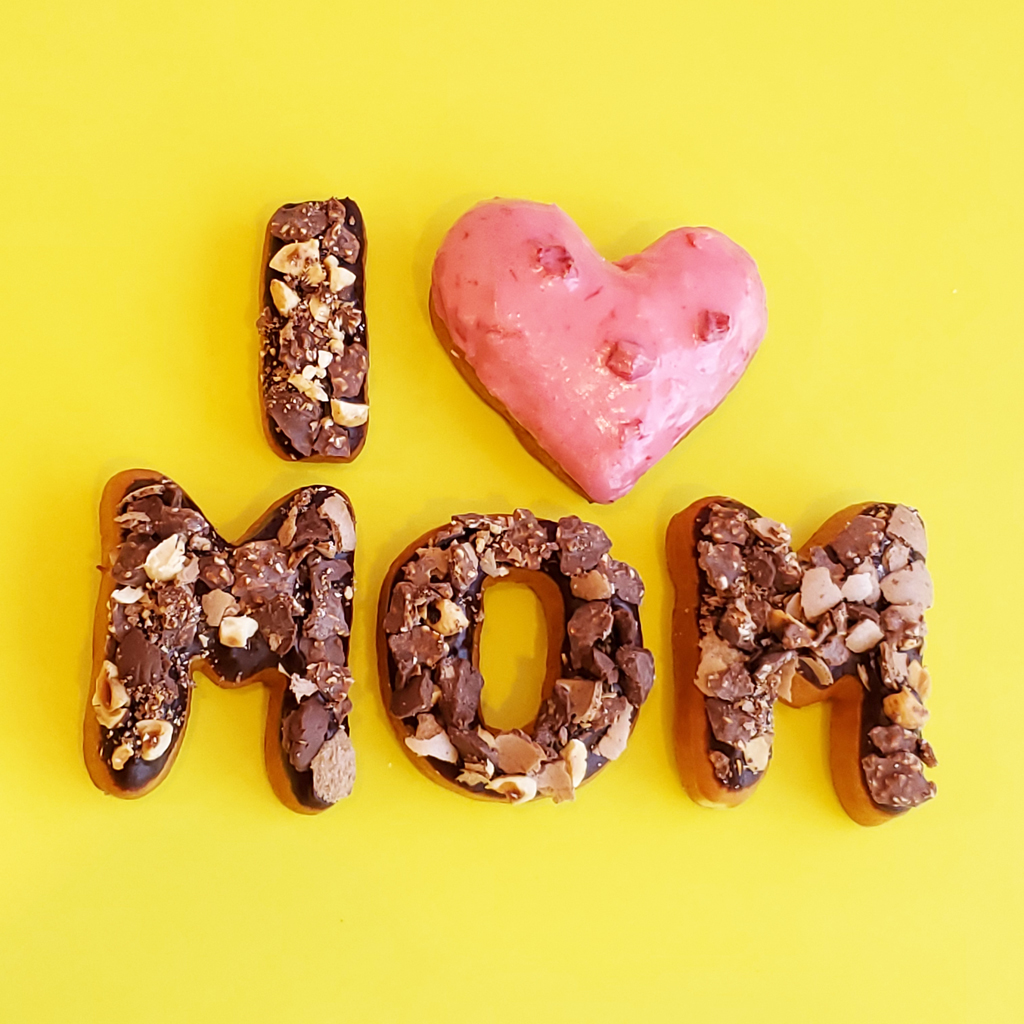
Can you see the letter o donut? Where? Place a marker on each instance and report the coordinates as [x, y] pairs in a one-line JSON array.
[[598, 674]]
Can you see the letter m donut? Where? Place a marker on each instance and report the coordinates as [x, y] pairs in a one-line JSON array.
[[840, 620]]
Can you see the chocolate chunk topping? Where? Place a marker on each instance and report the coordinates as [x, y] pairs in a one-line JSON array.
[[414, 697], [890, 738], [348, 372], [759, 638], [303, 732], [637, 678], [861, 539], [419, 646], [314, 357], [434, 611], [139, 662], [723, 564], [589, 623], [299, 222], [460, 692], [297, 416], [239, 608], [897, 781], [580, 544]]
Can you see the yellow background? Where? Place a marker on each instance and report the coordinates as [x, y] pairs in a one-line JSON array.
[[868, 155]]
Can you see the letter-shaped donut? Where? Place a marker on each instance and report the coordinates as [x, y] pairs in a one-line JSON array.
[[599, 673], [176, 596], [314, 355], [842, 620]]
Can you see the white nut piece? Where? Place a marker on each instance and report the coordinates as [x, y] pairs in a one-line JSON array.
[[217, 604], [613, 743], [121, 756], [518, 788], [319, 309], [591, 586], [128, 595], [296, 257], [870, 573], [912, 585], [906, 525], [757, 752], [309, 388], [335, 509], [857, 587], [920, 680], [865, 635], [905, 709], [818, 593], [451, 618], [340, 277], [349, 414], [155, 735], [166, 560], [769, 530], [284, 298], [574, 753], [237, 630], [110, 698], [438, 746]]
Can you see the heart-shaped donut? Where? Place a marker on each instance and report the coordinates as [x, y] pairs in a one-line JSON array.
[[600, 367]]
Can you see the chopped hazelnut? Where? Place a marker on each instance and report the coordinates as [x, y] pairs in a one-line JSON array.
[[156, 735], [818, 593], [519, 788], [237, 630], [574, 753], [349, 414], [121, 756], [865, 635], [451, 618], [311, 389], [613, 743], [905, 709], [217, 604], [167, 559], [437, 746], [920, 680], [591, 586], [284, 298], [910, 585], [905, 525], [296, 258]]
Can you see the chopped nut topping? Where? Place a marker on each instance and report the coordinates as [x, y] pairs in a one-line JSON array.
[[313, 354], [167, 559], [349, 414], [768, 619], [155, 738], [432, 616], [285, 591]]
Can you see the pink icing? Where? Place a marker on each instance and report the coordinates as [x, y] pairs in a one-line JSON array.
[[607, 365]]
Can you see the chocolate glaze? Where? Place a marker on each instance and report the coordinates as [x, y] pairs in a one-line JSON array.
[[465, 644], [864, 666], [232, 665]]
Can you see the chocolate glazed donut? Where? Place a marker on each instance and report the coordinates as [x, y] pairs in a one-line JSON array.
[[842, 621], [598, 675], [315, 353], [177, 597]]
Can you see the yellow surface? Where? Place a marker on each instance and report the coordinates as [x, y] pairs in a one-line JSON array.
[[869, 157]]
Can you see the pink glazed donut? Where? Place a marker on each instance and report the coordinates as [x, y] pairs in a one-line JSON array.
[[601, 368]]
